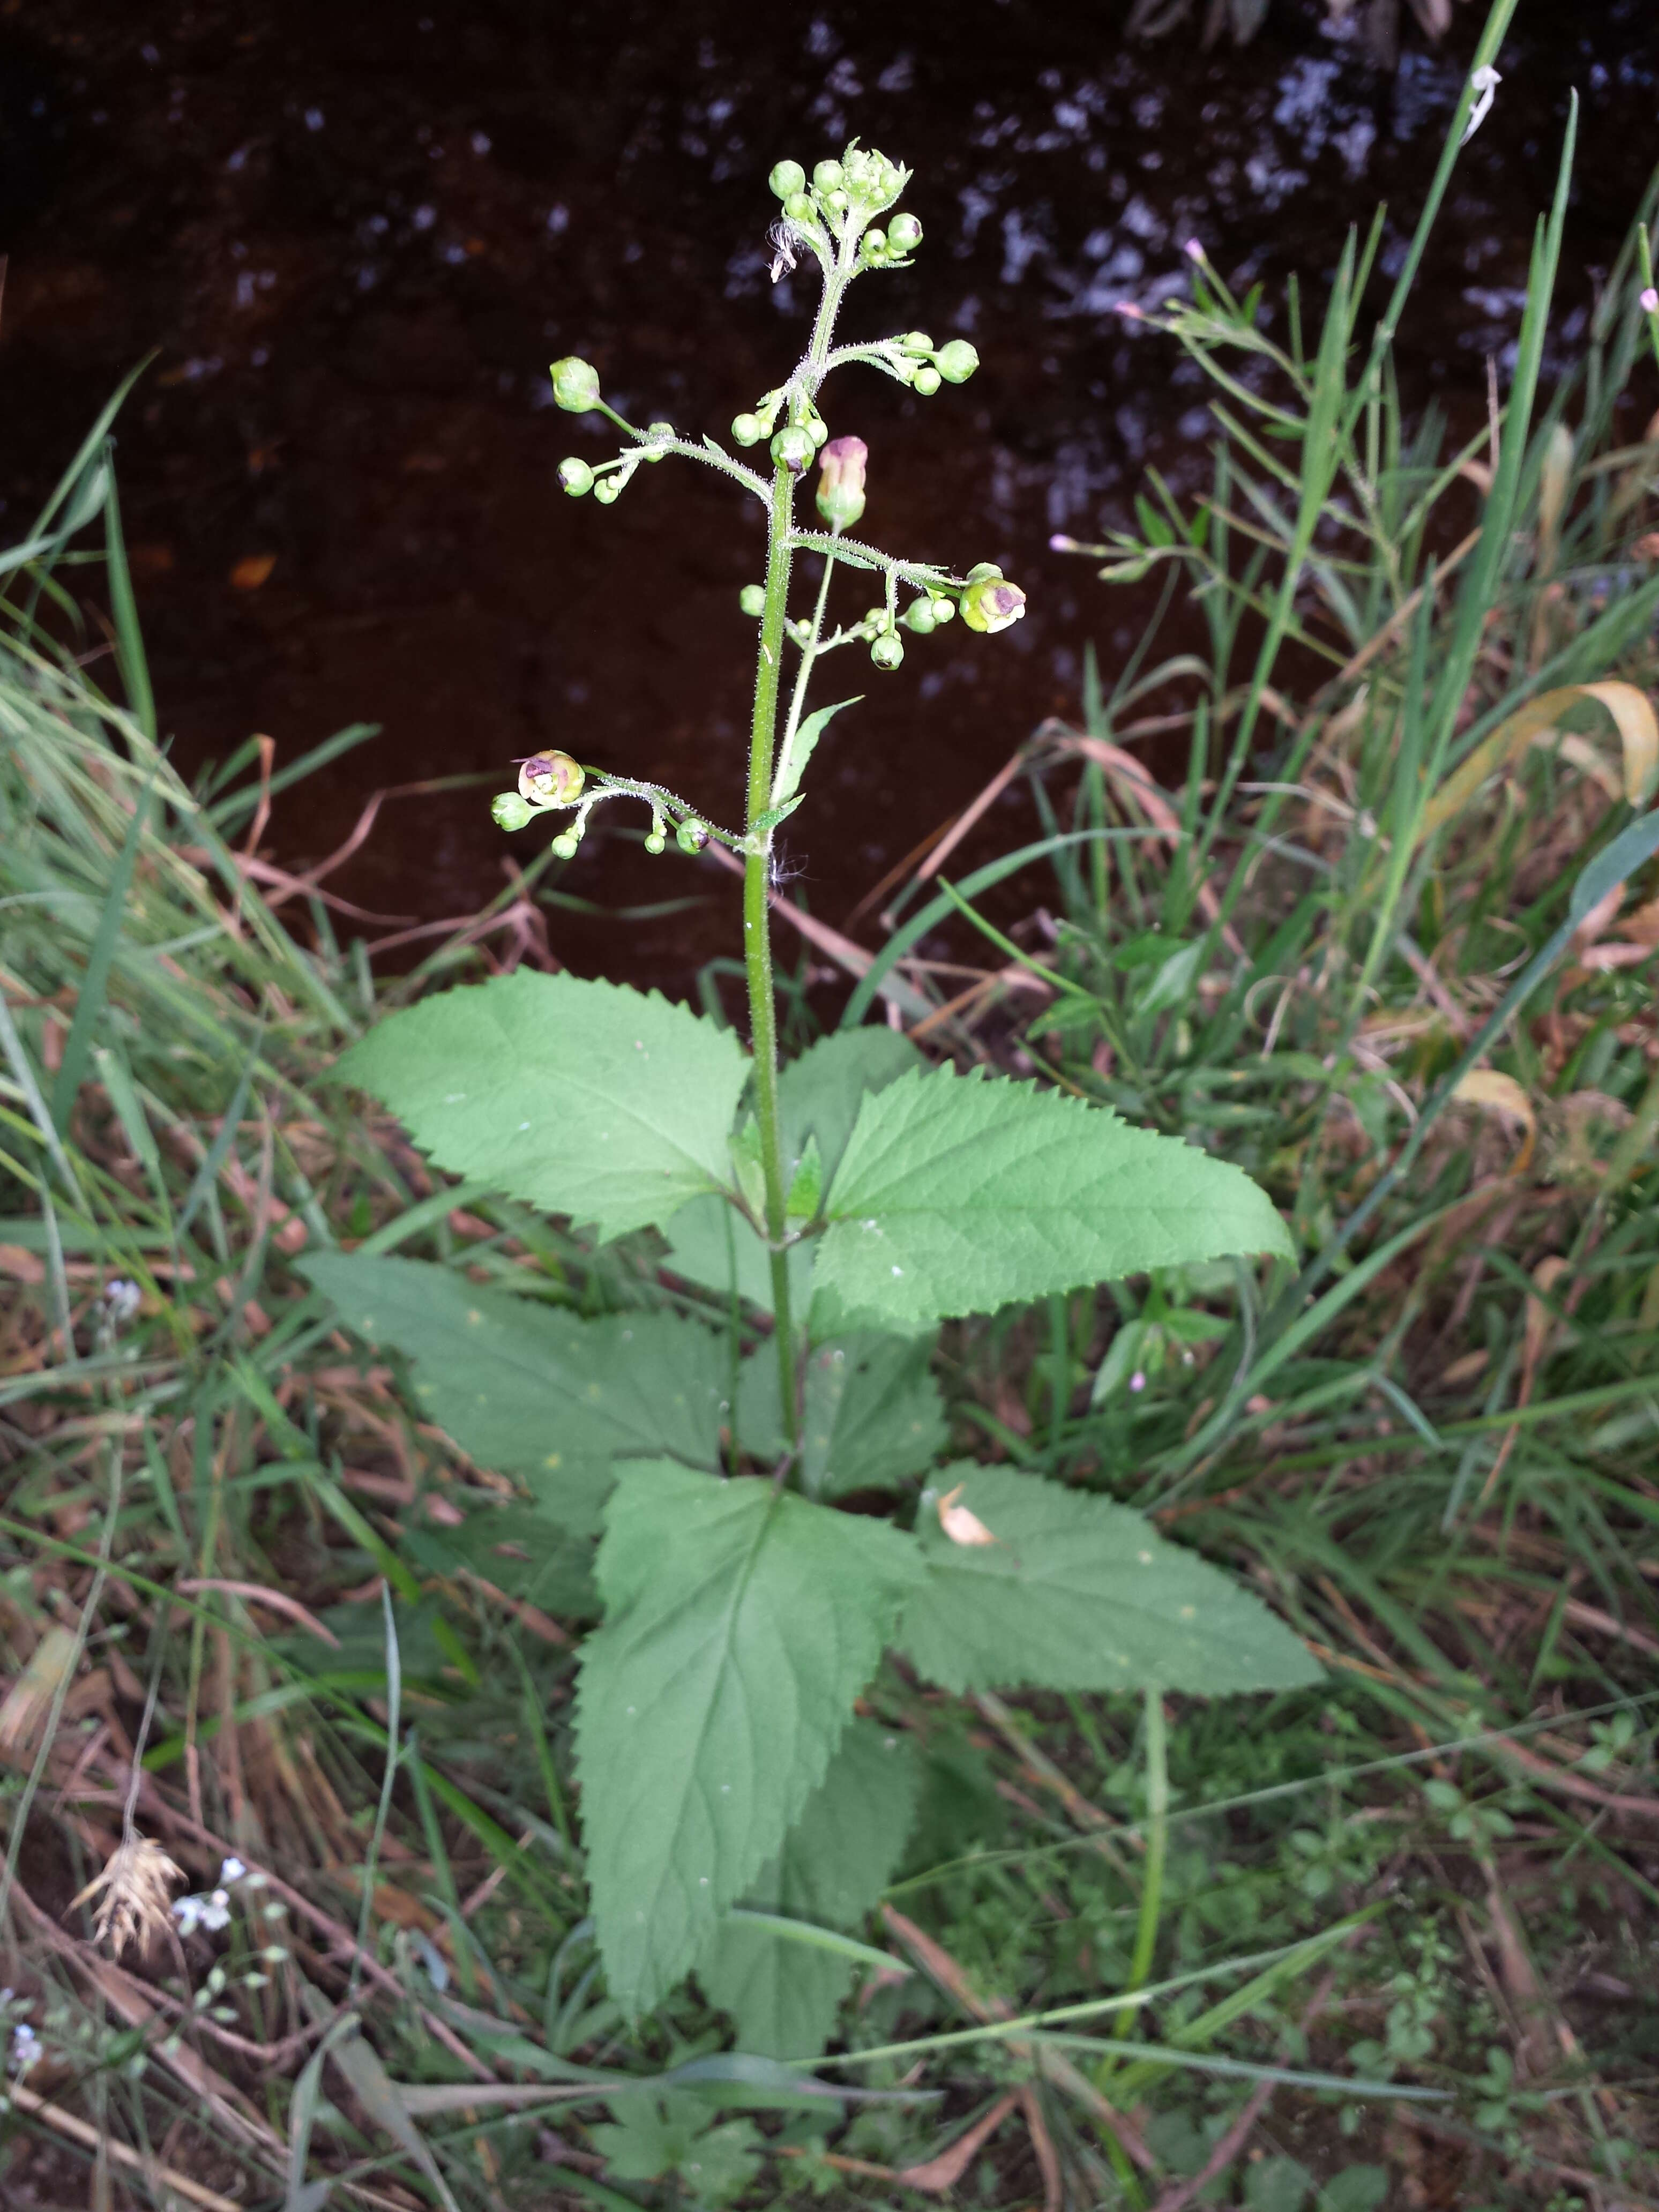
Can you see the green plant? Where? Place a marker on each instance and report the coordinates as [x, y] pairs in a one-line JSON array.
[[735, 1816]]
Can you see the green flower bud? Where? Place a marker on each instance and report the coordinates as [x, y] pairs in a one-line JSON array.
[[926, 380], [656, 841], [801, 208], [565, 847], [575, 385], [919, 615], [827, 176], [787, 179], [916, 342], [945, 611], [871, 178], [658, 437], [841, 486], [818, 429], [752, 599], [988, 603], [904, 233], [576, 477], [957, 362], [792, 448], [608, 490], [873, 247], [888, 651], [551, 779], [691, 837], [837, 203], [748, 429], [510, 812]]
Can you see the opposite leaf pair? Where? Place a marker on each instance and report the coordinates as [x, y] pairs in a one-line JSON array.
[[953, 1195]]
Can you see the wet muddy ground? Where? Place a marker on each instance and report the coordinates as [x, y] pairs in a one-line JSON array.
[[355, 236]]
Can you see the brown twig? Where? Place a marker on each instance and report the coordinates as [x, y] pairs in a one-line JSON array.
[[1177, 2199], [81, 2131]]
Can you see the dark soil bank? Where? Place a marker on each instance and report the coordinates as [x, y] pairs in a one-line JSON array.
[[355, 234]]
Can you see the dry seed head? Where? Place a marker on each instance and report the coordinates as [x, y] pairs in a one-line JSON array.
[[137, 1900]]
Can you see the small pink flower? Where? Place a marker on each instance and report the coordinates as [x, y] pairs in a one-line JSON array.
[[841, 485], [1651, 301], [1130, 312], [1136, 1381], [1193, 251], [1060, 543]]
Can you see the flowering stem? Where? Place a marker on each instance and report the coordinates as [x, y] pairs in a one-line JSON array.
[[756, 940]]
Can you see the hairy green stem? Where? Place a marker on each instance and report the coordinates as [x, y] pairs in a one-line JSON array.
[[1158, 1840], [757, 938]]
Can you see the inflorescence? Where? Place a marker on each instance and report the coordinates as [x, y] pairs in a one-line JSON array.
[[835, 217]]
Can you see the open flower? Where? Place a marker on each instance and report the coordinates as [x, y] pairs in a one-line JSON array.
[[989, 603], [550, 780]]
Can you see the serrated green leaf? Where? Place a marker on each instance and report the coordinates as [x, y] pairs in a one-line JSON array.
[[873, 1413], [819, 1094], [521, 1549], [1077, 1594], [806, 1184], [958, 1195], [529, 1390], [609, 1105], [741, 1624], [782, 1994]]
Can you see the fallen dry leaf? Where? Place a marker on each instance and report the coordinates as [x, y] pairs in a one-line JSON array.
[[250, 571], [959, 1523]]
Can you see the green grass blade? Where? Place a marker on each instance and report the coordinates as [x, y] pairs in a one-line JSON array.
[[95, 983], [129, 654]]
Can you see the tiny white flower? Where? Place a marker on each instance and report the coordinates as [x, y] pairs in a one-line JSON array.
[[1485, 81], [231, 1871]]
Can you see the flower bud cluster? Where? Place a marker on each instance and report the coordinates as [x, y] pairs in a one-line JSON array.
[[986, 602], [553, 781], [929, 611], [915, 359], [804, 430], [843, 200], [609, 479]]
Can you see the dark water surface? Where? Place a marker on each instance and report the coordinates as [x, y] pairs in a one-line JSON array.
[[356, 234]]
